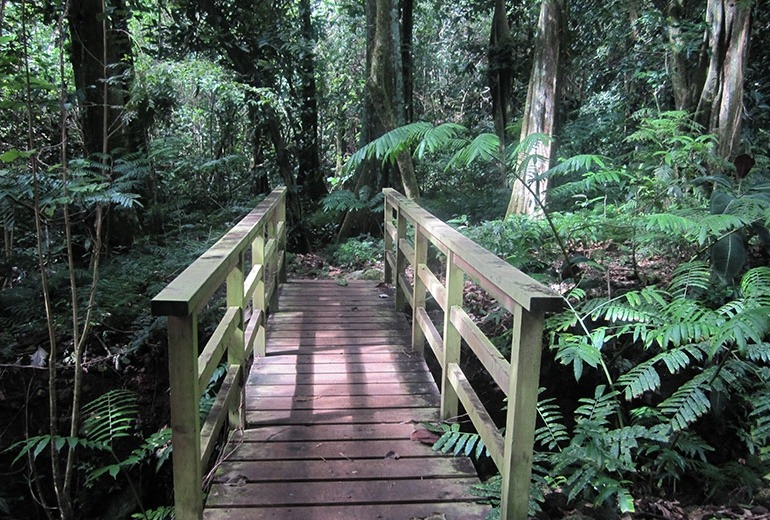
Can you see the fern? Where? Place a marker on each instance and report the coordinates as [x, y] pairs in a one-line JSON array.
[[456, 442], [110, 417], [689, 402], [553, 433]]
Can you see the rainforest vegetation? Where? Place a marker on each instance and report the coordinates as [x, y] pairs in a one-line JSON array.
[[617, 151]]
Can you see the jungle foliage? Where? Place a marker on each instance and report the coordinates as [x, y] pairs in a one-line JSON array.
[[116, 172]]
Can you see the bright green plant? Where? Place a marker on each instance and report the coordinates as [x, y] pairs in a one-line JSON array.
[[721, 352], [358, 252]]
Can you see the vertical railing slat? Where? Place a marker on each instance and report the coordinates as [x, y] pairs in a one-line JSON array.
[[526, 347], [235, 345], [454, 296], [185, 415], [258, 299], [419, 292], [400, 261]]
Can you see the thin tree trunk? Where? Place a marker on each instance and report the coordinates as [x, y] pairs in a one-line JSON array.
[[500, 58], [540, 109], [407, 63]]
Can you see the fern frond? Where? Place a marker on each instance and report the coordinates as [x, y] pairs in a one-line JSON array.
[[109, 417], [688, 276], [485, 147], [688, 403], [435, 138], [742, 329], [598, 408], [553, 433], [640, 379]]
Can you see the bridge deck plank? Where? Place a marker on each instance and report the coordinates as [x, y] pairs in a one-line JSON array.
[[330, 411]]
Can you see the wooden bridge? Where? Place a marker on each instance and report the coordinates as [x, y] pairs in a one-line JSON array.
[[327, 386]]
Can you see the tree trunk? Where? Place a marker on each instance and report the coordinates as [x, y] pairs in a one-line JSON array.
[[310, 176], [407, 63], [381, 86], [500, 57], [686, 77], [87, 52], [540, 110], [381, 108], [721, 100]]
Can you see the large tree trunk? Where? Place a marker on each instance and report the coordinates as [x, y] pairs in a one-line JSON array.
[[540, 110], [381, 109], [721, 100], [686, 76], [500, 57], [96, 66]]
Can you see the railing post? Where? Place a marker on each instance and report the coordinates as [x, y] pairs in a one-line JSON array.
[[280, 212], [235, 345], [258, 298], [185, 418], [389, 278], [454, 296], [400, 261], [526, 350], [418, 286]]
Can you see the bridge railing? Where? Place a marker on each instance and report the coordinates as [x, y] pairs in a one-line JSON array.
[[249, 263], [408, 231]]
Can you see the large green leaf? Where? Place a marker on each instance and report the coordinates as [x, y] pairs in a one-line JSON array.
[[728, 256]]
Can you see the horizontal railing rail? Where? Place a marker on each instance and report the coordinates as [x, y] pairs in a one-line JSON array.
[[249, 262], [409, 229]]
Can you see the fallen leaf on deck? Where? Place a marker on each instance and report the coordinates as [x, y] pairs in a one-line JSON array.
[[392, 455], [424, 436]]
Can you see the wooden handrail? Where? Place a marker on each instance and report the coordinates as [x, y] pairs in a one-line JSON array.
[[249, 261], [525, 298]]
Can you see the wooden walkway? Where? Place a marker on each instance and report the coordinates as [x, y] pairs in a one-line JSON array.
[[330, 412]]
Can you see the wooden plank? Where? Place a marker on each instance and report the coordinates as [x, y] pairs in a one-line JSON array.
[[338, 356], [434, 286], [332, 450], [430, 333], [381, 347], [334, 402], [342, 492], [343, 469], [392, 415], [347, 369], [478, 414], [215, 347], [449, 510], [310, 342], [363, 378], [216, 417], [497, 366], [329, 432], [400, 388], [504, 282]]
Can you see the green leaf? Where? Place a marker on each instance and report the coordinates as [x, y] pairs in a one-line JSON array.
[[728, 256]]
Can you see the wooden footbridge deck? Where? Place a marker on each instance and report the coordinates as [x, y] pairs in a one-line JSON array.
[[320, 424]]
